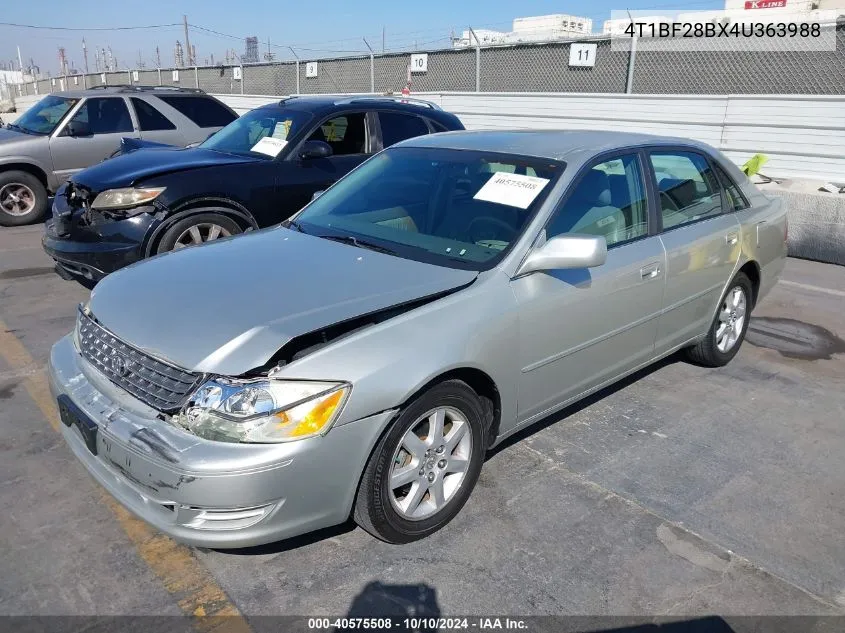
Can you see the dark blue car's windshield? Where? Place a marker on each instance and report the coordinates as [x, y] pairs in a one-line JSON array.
[[262, 133], [454, 208]]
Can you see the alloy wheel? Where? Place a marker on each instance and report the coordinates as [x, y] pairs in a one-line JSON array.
[[199, 234], [430, 463], [17, 199], [731, 319]]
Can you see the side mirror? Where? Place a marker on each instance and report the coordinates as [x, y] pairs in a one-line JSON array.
[[315, 149], [77, 128], [317, 194], [567, 251]]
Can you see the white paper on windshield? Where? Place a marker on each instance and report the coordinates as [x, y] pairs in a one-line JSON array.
[[270, 146], [513, 190]]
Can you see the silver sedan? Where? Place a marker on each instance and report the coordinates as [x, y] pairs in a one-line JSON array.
[[361, 359]]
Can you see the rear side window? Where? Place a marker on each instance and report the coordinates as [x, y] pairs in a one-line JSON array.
[[203, 111], [149, 118], [687, 187], [736, 201], [396, 127], [437, 126]]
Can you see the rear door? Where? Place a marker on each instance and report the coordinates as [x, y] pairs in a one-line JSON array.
[[701, 235], [350, 135], [205, 112], [107, 119], [581, 328], [154, 125]]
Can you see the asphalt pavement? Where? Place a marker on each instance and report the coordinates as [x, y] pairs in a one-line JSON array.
[[680, 491]]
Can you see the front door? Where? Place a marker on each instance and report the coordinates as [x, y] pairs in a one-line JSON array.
[[581, 328], [702, 238], [299, 179], [106, 120]]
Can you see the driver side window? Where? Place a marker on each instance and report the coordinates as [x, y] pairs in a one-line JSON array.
[[609, 201], [105, 115], [346, 134]]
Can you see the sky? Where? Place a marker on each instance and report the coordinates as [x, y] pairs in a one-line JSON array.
[[319, 28]]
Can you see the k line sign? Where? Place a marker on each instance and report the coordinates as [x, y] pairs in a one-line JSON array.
[[765, 4]]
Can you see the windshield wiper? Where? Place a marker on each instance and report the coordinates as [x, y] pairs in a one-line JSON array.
[[293, 224], [12, 126], [354, 241]]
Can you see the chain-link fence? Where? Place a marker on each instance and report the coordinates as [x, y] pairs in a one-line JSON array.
[[774, 65]]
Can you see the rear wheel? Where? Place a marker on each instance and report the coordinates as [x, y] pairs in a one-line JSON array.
[[424, 468], [728, 329], [23, 198], [197, 229]]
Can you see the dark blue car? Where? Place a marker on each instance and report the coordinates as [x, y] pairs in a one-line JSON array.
[[256, 172]]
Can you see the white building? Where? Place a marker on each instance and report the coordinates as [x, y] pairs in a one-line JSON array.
[[542, 28]]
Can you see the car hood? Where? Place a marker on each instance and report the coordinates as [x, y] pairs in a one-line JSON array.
[[128, 169], [227, 307], [11, 137]]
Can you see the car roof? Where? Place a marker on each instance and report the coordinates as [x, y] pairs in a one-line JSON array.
[[321, 104], [104, 91], [552, 144]]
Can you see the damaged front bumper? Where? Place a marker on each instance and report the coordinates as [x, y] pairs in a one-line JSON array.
[[208, 494], [91, 245]]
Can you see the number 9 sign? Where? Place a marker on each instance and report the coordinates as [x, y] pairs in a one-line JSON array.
[[419, 63]]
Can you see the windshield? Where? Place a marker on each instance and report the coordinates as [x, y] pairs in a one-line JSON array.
[[263, 132], [44, 116], [461, 209]]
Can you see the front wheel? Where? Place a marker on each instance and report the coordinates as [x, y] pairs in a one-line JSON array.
[[729, 326], [197, 229], [424, 468], [23, 198]]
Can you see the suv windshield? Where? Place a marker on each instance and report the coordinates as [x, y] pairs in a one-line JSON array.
[[456, 208], [263, 132], [44, 116]]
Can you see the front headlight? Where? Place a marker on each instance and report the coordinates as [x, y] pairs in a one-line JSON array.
[[126, 198], [263, 410]]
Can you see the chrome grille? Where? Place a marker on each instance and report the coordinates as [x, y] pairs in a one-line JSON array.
[[158, 384]]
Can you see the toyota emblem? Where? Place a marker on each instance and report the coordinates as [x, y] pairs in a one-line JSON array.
[[119, 365]]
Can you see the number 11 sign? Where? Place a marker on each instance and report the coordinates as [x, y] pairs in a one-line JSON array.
[[582, 54]]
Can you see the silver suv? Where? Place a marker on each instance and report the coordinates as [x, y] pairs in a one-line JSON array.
[[69, 131]]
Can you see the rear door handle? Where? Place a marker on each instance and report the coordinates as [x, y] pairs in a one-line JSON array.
[[651, 271], [732, 238]]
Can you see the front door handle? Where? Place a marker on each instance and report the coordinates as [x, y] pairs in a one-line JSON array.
[[651, 271], [732, 238]]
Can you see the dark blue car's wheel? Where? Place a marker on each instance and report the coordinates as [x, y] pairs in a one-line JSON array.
[[197, 229]]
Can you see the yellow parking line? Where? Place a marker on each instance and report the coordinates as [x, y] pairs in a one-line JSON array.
[[182, 574]]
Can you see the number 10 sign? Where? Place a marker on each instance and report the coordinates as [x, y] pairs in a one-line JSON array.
[[582, 54], [419, 63]]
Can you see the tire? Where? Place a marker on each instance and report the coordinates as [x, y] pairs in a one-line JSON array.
[[203, 222], [708, 351], [377, 503], [23, 198]]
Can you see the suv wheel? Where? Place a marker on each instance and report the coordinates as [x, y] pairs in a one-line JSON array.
[[197, 229], [23, 198]]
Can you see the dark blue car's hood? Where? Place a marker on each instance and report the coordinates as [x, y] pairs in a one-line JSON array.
[[128, 169]]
